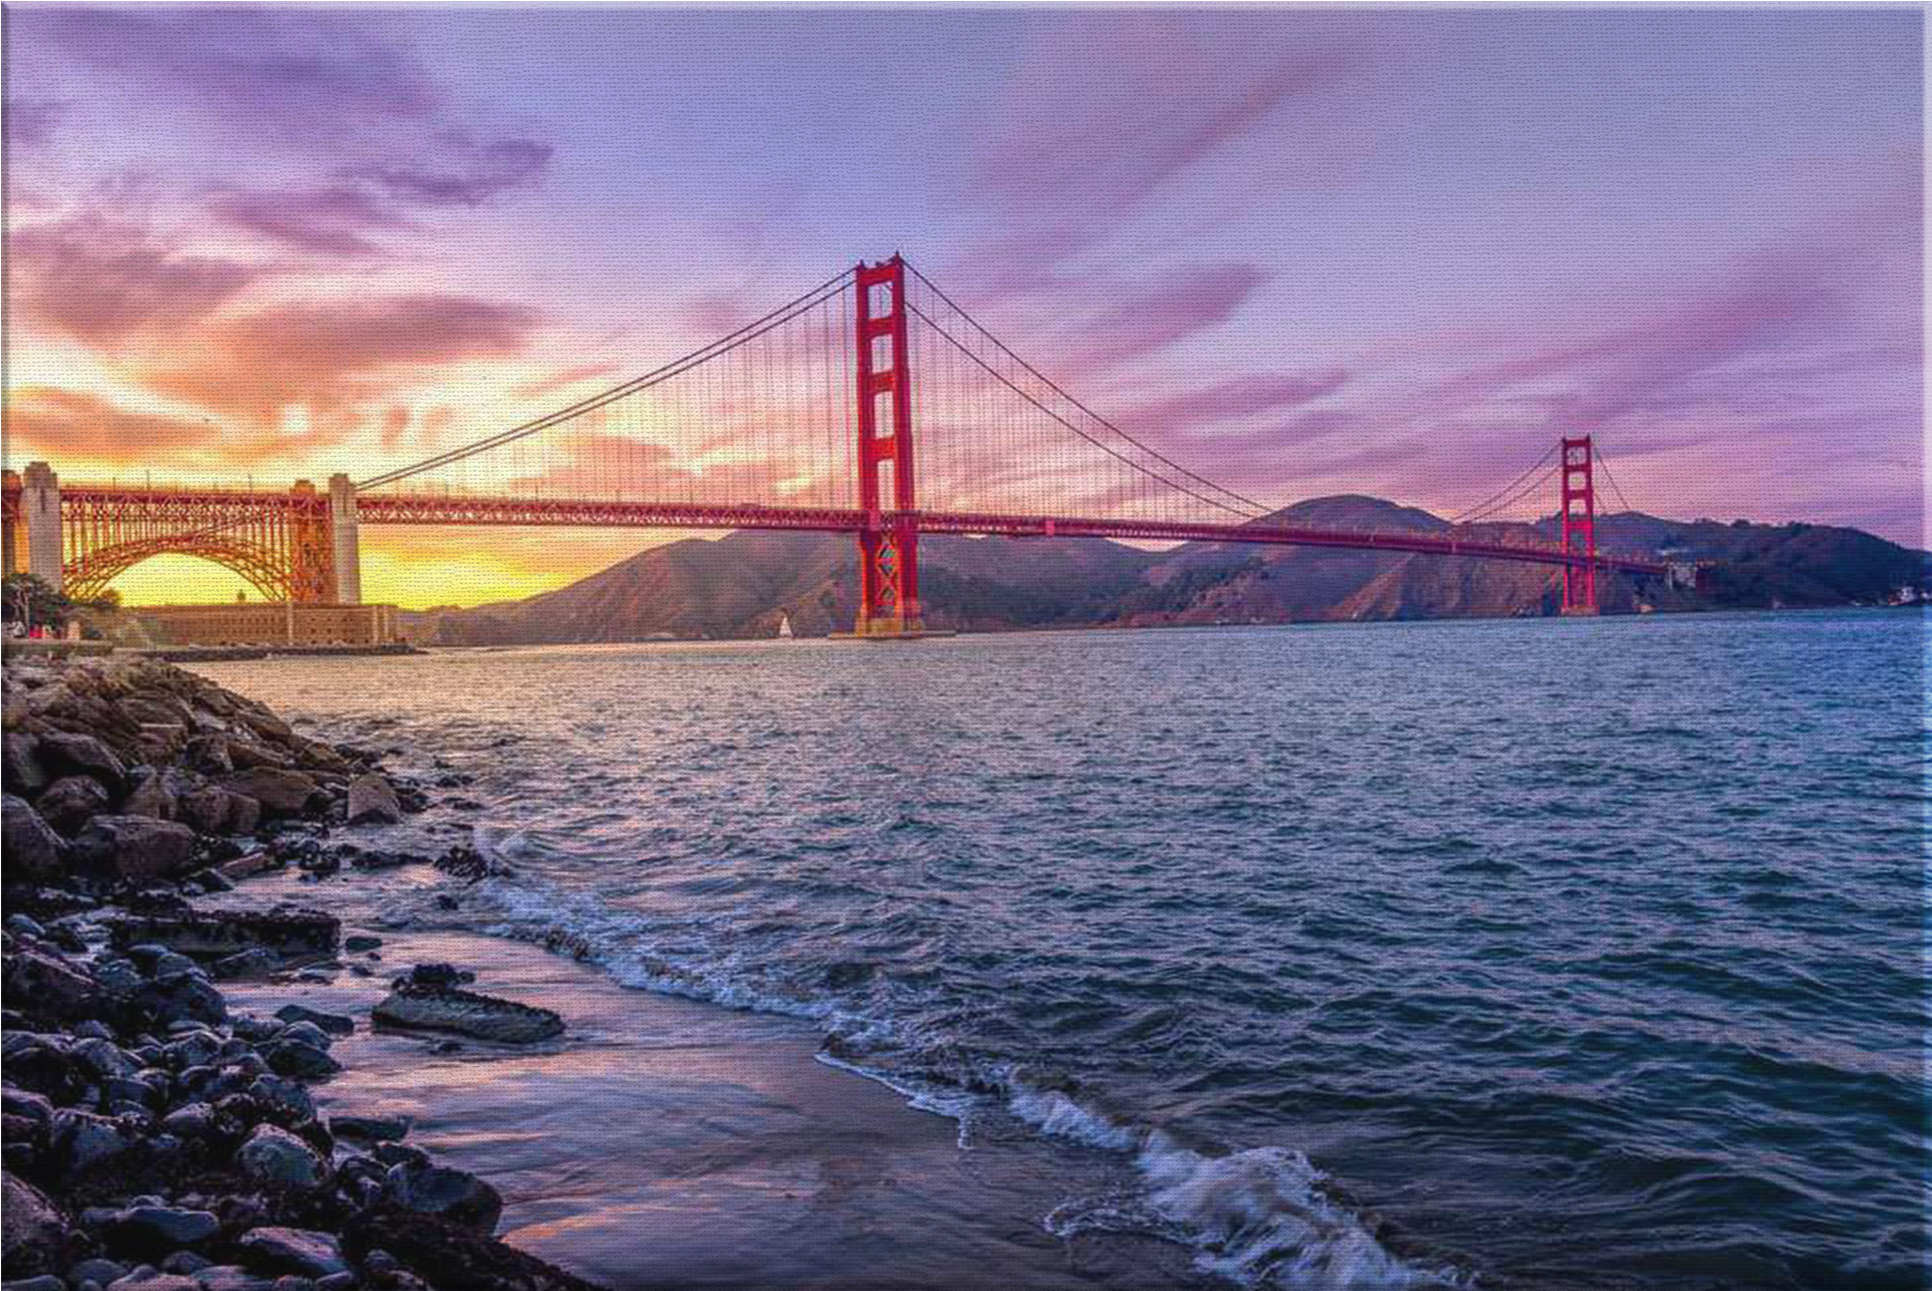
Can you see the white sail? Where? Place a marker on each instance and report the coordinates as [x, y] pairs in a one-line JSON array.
[[784, 625]]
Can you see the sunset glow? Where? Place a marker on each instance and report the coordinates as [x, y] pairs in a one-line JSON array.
[[1305, 252]]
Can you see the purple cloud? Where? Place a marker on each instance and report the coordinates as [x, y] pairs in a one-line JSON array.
[[1192, 300], [460, 173], [102, 280], [1232, 400], [30, 122], [294, 70], [333, 221]]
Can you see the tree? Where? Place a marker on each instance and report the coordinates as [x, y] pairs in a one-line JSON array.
[[26, 596]]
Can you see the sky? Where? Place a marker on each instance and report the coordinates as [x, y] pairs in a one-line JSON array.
[[1305, 251]]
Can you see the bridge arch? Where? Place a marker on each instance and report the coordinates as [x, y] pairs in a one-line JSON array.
[[259, 566]]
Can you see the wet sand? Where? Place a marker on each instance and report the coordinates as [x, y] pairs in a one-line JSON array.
[[665, 1142]]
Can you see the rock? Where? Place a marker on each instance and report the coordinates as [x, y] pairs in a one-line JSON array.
[[361, 942], [20, 764], [208, 753], [44, 985], [32, 1230], [154, 1280], [71, 801], [293, 1250], [191, 1121], [84, 1141], [249, 963], [294, 1058], [231, 1277], [135, 847], [158, 796], [333, 1023], [32, 848], [436, 975], [104, 1058], [67, 754], [281, 793], [277, 1157], [99, 1272], [186, 1262], [373, 801], [212, 934], [455, 1195], [441, 1008], [214, 810], [45, 1282], [370, 1129], [289, 1095], [164, 1227]]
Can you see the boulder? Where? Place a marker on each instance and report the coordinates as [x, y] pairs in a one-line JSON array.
[[212, 934], [373, 801], [71, 801], [32, 1231], [332, 1023], [159, 795], [370, 1129], [294, 1058], [164, 1227], [483, 1017], [274, 1156], [135, 847], [455, 1195], [280, 793], [68, 754], [83, 1141], [293, 1250], [20, 766], [44, 985], [209, 753], [31, 847]]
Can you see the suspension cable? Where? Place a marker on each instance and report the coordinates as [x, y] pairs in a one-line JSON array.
[[1484, 506], [825, 291], [1604, 462], [997, 376], [1260, 508]]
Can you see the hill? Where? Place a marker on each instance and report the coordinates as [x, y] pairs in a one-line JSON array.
[[742, 584]]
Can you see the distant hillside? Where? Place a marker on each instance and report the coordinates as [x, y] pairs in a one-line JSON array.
[[742, 584]]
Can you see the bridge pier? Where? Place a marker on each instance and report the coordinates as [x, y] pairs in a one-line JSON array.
[[888, 547], [40, 514], [342, 532], [1579, 526]]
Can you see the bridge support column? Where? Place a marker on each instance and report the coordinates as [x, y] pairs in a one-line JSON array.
[[342, 529], [311, 549], [889, 543], [40, 512], [1579, 527]]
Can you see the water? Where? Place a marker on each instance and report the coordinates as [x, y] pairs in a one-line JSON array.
[[1514, 954]]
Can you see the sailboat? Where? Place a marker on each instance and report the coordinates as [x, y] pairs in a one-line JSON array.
[[784, 626]]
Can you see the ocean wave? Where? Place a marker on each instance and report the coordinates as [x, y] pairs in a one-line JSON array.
[[1258, 1217]]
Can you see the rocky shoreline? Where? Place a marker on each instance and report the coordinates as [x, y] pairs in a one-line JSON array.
[[154, 1139]]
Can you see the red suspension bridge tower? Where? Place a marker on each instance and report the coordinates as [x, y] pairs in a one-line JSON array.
[[1579, 526], [888, 546]]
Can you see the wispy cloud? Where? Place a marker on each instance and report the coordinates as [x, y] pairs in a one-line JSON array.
[[103, 280], [74, 426]]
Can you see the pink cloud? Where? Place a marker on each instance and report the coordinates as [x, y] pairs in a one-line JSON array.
[[563, 380], [333, 220], [1231, 400], [1191, 300], [69, 425]]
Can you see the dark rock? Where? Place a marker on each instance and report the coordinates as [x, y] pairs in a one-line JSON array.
[[32, 1229], [191, 1121], [99, 1272], [293, 1250], [67, 754], [32, 848], [164, 1227], [274, 1156], [373, 801], [146, 1279], [209, 753], [249, 963], [45, 985], [449, 1194], [283, 793], [104, 1058], [20, 764], [370, 1129], [83, 1141], [333, 1023], [231, 1277], [293, 1058], [44, 1282], [427, 1245], [186, 1262], [214, 810], [436, 975], [135, 847], [361, 942], [483, 1017], [211, 934], [291, 1096], [71, 801]]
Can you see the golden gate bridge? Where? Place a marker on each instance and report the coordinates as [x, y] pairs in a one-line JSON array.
[[804, 418]]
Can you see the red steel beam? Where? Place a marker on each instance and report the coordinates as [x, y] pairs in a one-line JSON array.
[[382, 508]]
